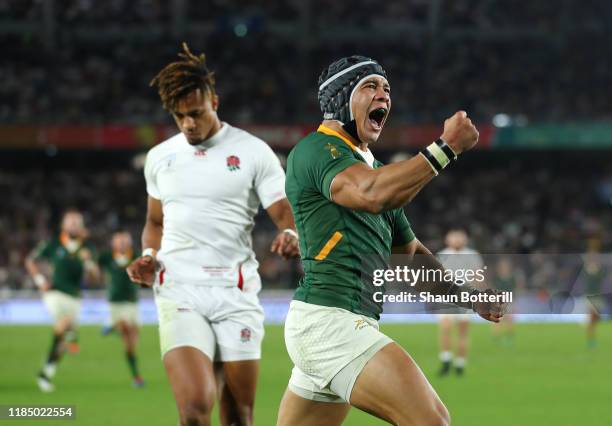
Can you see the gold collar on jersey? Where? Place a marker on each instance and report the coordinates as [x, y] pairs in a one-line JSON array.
[[326, 130]]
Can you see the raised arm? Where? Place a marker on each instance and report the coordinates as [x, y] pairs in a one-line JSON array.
[[360, 187]]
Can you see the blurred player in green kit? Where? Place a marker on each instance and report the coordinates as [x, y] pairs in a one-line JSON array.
[[507, 278], [71, 258], [595, 275], [123, 296]]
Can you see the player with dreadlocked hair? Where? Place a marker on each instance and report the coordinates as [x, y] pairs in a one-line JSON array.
[[179, 78], [204, 187]]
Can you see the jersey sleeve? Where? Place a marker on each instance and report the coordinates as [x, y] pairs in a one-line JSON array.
[[318, 163], [402, 231], [151, 177], [41, 251], [269, 177]]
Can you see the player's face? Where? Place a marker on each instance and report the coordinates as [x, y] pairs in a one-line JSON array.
[[72, 224], [196, 115], [122, 242], [371, 105], [456, 240]]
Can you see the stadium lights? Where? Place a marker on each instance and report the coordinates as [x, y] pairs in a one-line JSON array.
[[240, 30], [502, 120]]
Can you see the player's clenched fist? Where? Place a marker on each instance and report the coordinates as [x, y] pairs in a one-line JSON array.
[[459, 132], [142, 270]]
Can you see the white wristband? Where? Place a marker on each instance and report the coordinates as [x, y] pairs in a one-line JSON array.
[[39, 280], [291, 232], [149, 252]]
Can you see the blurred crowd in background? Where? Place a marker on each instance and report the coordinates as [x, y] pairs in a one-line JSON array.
[[517, 206], [91, 62]]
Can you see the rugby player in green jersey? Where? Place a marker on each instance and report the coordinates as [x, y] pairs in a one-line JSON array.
[[594, 276], [508, 278], [348, 206], [123, 296], [71, 257]]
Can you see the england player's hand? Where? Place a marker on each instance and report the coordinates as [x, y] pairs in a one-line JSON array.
[[142, 270], [491, 311], [286, 245], [459, 132]]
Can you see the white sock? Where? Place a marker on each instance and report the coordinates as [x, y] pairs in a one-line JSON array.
[[446, 356], [459, 362], [49, 370]]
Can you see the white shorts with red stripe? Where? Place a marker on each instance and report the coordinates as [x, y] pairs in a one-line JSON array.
[[225, 323]]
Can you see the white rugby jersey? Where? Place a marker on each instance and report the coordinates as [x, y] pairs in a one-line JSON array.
[[210, 193]]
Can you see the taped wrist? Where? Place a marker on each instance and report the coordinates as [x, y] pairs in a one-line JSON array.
[[438, 154]]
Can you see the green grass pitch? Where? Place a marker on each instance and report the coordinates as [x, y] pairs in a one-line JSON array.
[[548, 377]]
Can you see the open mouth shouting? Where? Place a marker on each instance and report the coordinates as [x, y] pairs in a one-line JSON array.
[[377, 117]]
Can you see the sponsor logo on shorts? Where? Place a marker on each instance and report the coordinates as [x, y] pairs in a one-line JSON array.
[[360, 324], [245, 335]]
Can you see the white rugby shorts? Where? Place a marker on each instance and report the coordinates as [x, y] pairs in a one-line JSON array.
[[225, 323], [329, 347], [61, 305], [124, 311]]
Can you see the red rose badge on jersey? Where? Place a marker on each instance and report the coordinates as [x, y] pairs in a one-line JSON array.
[[245, 335], [233, 163]]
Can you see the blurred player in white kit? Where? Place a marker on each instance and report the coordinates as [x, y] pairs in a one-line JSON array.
[[457, 255], [204, 187]]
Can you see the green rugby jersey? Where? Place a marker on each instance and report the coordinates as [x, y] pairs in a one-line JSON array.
[[336, 242], [121, 289], [595, 277], [67, 267]]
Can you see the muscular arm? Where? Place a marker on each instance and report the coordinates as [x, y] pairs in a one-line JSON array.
[[421, 257], [360, 187], [154, 225]]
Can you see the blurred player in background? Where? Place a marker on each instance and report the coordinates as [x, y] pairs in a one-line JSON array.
[[595, 275], [348, 206], [205, 185], [123, 296], [71, 257], [456, 256], [507, 277]]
